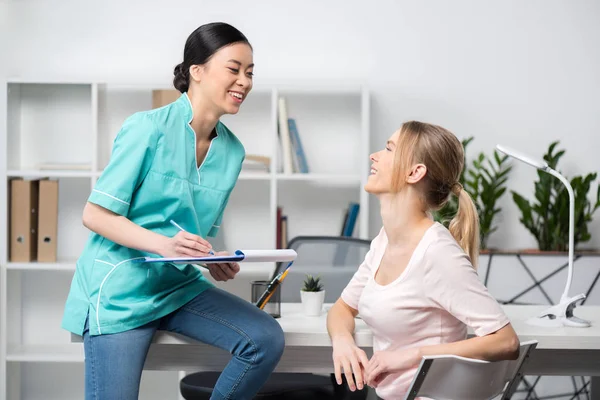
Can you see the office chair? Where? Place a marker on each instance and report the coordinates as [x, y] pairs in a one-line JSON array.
[[335, 259], [457, 378]]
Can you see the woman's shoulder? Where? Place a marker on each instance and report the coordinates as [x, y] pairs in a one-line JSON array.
[[139, 125], [442, 248]]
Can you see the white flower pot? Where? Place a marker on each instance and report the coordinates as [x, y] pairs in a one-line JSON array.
[[312, 302]]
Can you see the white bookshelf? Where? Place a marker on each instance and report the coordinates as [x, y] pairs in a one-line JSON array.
[[76, 122]]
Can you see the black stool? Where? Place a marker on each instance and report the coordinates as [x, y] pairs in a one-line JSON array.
[[280, 386]]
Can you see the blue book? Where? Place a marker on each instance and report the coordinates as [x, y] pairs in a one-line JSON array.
[[351, 220]]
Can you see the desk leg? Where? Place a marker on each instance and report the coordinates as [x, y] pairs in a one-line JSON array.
[[595, 391], [182, 375]]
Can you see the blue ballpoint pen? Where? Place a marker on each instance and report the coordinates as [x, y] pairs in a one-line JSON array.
[[175, 224]]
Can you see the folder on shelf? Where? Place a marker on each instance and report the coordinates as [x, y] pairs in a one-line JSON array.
[[47, 220], [23, 220], [239, 256], [162, 97]]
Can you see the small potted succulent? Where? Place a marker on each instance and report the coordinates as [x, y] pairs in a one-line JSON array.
[[312, 295]]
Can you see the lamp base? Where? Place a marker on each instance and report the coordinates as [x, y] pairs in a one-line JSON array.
[[561, 314]]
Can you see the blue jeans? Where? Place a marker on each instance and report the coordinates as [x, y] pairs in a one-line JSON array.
[[114, 363]]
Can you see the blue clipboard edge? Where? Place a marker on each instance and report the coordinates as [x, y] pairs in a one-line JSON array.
[[238, 256]]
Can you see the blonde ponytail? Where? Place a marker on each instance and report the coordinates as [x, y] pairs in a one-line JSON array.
[[465, 225]]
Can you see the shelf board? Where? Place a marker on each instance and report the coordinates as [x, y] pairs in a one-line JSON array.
[[318, 89], [41, 266], [347, 179], [46, 353], [34, 81], [255, 176], [244, 175], [36, 173]]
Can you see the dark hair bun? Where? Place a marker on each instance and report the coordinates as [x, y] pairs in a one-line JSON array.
[[181, 79]]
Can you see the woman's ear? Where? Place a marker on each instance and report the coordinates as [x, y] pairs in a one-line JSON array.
[[417, 172], [196, 72]]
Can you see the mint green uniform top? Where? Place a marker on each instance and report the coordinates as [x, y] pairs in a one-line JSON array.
[[151, 178]]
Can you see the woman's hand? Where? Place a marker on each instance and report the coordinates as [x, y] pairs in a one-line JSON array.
[[353, 360], [384, 363], [186, 244], [223, 271]]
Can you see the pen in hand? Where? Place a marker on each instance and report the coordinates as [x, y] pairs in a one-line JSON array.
[[175, 224]]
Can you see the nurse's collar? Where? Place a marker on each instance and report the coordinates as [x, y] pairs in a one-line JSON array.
[[188, 112]]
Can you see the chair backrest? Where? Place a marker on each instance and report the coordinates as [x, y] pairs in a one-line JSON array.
[[457, 378], [334, 258]]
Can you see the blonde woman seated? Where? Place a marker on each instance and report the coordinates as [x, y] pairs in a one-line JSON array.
[[417, 289]]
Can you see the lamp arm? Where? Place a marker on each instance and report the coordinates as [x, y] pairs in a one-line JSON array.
[[552, 172]]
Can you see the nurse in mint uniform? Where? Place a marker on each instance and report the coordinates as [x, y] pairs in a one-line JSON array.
[[180, 163]]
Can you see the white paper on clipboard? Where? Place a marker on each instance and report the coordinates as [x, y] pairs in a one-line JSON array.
[[278, 255]]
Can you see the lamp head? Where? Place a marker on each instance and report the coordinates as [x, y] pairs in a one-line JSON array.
[[540, 164]]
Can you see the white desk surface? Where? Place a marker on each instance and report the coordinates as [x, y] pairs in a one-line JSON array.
[[561, 351], [301, 330]]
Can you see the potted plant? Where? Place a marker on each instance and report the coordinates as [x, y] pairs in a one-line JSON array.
[[547, 219], [312, 296], [485, 181]]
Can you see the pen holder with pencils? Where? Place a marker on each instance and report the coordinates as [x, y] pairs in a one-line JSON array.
[[269, 302]]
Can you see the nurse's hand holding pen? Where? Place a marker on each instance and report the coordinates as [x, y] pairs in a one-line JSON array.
[[185, 244]]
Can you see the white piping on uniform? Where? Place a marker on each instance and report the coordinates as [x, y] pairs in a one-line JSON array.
[[112, 197], [102, 284], [195, 141], [205, 157]]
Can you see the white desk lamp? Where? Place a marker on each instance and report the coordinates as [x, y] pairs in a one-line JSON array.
[[560, 314]]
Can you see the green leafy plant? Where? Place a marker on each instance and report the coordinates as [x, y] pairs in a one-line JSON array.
[[547, 219], [312, 284], [485, 181]]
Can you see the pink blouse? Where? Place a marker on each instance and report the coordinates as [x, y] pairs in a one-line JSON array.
[[433, 301]]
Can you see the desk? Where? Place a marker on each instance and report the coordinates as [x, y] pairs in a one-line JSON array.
[[560, 351]]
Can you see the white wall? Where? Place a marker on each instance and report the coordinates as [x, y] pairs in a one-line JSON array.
[[512, 72], [522, 73]]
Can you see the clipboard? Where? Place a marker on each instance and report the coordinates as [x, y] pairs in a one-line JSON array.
[[278, 255]]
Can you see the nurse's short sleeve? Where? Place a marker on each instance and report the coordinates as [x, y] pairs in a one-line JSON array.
[[453, 284], [352, 292], [132, 154]]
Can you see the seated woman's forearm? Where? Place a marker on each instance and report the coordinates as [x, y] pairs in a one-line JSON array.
[[500, 345], [340, 320], [121, 230]]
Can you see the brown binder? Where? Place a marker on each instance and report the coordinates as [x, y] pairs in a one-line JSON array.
[[23, 220], [163, 97], [47, 221]]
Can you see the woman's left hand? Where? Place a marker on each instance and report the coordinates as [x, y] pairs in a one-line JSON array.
[[384, 363], [223, 271]]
